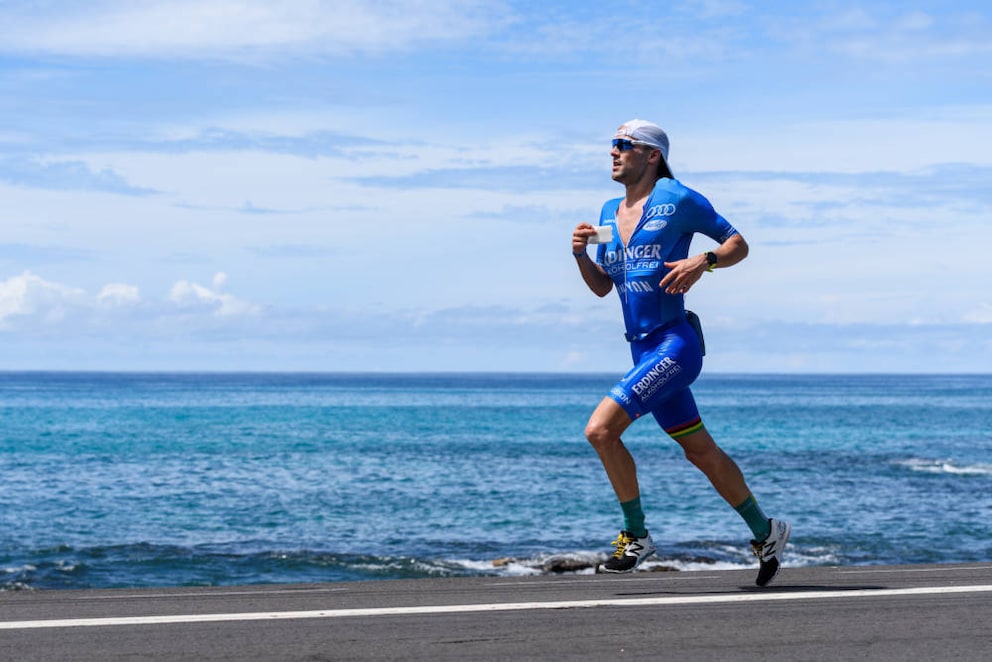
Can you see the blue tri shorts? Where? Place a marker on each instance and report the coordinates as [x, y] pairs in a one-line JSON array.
[[665, 364]]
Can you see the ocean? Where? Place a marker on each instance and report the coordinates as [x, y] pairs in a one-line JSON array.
[[144, 480]]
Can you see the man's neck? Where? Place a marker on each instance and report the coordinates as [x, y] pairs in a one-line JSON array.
[[637, 191]]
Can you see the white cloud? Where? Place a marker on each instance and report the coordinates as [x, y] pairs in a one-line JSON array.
[[29, 303], [119, 294], [189, 295], [228, 28], [30, 296]]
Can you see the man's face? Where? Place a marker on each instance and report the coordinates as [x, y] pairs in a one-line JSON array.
[[630, 160]]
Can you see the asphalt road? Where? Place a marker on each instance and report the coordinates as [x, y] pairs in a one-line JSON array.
[[935, 612]]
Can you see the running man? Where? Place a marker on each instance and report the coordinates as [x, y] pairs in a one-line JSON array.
[[649, 265]]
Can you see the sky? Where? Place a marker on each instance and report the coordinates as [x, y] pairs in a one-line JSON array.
[[391, 185]]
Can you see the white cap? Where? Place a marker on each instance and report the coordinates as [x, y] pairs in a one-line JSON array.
[[647, 132]]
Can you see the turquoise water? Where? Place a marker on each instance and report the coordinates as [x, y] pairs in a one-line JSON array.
[[112, 480]]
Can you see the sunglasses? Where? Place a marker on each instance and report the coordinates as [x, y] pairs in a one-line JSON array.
[[626, 145]]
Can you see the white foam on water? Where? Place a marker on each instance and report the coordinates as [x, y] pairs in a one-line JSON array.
[[946, 467]]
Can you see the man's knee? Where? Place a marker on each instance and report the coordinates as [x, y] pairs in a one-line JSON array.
[[599, 435], [701, 457], [700, 449], [606, 425]]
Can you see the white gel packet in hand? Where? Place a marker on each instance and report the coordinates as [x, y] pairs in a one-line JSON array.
[[604, 235]]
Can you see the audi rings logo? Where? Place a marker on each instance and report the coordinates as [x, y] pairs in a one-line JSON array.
[[666, 209]]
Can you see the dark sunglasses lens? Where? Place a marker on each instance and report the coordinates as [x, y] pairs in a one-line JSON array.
[[623, 145]]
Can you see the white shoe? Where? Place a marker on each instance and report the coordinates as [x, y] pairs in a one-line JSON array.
[[630, 553], [769, 551]]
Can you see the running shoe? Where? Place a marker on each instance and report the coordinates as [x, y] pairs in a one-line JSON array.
[[769, 551], [631, 552]]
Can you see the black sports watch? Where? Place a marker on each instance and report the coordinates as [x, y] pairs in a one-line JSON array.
[[711, 260]]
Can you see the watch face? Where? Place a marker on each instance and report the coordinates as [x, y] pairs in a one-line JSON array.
[[711, 258]]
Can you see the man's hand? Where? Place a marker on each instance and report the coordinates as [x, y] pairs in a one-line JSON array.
[[580, 237], [592, 273], [683, 274]]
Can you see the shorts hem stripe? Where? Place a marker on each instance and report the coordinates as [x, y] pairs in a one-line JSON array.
[[686, 428]]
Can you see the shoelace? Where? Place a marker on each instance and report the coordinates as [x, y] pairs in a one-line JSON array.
[[621, 544]]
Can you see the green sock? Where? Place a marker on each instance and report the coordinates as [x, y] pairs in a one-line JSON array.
[[633, 517], [755, 518]]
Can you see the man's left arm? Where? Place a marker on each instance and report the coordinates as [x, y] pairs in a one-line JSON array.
[[685, 273]]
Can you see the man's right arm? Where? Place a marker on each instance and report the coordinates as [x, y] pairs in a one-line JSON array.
[[592, 273]]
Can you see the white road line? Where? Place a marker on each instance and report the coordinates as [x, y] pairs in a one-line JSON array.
[[491, 607]]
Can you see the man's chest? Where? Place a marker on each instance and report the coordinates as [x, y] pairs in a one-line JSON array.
[[627, 220], [643, 256]]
